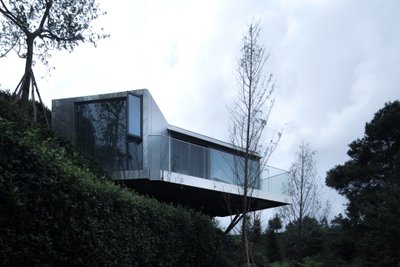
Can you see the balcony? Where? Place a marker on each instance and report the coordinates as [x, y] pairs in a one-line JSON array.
[[173, 156]]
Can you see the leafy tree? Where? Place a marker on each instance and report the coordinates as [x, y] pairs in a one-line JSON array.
[[250, 114], [371, 182], [275, 224], [256, 242], [342, 243], [310, 243], [36, 27], [255, 229], [273, 246]]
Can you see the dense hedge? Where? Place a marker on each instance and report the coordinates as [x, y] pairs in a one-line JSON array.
[[55, 212]]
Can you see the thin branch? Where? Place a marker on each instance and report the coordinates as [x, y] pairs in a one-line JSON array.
[[11, 48], [9, 15], [46, 13]]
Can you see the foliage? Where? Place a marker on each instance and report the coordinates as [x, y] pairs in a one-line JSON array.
[[273, 248], [54, 24], [321, 244], [279, 264], [371, 182], [256, 241], [58, 213], [275, 224], [232, 248], [35, 28], [309, 244], [255, 229], [9, 111], [342, 243]]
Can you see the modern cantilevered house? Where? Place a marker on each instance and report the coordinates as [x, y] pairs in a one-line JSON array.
[[127, 133]]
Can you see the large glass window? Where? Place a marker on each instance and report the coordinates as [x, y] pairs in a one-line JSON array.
[[102, 133], [134, 116]]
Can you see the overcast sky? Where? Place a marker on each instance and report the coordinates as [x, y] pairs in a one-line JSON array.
[[335, 64]]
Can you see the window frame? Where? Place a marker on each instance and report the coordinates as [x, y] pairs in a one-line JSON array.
[[131, 136]]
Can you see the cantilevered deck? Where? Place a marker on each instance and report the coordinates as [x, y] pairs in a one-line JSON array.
[[127, 133]]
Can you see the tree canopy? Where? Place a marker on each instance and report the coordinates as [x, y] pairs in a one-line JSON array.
[[309, 244], [371, 182], [35, 27]]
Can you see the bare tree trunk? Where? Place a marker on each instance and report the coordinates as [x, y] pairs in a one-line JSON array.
[[301, 193], [245, 241], [249, 117]]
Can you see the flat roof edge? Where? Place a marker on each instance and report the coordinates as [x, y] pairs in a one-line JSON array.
[[206, 138], [103, 96]]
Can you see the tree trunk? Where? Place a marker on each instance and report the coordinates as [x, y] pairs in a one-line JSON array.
[[299, 247], [245, 241], [27, 78], [248, 124]]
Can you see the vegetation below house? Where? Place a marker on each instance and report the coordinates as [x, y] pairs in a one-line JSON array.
[[58, 208]]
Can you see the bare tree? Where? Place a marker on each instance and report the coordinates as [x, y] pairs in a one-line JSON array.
[[250, 114], [35, 27], [304, 189]]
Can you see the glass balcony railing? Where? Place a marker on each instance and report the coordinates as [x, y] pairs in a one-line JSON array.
[[273, 180], [174, 155]]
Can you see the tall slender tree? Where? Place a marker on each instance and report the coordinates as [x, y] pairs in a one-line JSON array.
[[36, 27], [304, 189], [250, 114]]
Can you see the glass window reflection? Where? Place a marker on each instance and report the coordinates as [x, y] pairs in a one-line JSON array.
[[102, 133]]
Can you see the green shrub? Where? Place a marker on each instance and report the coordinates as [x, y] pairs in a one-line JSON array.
[[56, 211]]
